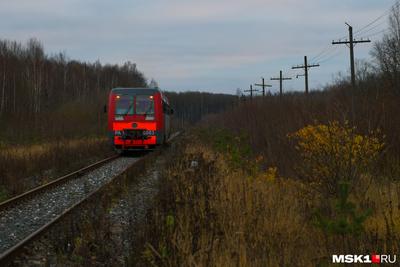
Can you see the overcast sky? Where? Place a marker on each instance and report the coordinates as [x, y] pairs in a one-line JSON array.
[[208, 45]]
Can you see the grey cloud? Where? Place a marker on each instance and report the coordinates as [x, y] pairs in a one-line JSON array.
[[215, 43]]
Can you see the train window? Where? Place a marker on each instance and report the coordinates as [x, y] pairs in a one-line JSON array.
[[124, 105], [144, 105]]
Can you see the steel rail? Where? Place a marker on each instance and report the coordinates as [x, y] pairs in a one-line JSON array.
[[33, 192], [8, 255]]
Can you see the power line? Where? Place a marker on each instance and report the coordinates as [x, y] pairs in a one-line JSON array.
[[371, 23], [370, 29], [362, 30], [328, 52], [327, 55], [325, 50], [331, 57], [377, 33], [387, 12]]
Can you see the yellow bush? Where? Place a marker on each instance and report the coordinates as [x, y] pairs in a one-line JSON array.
[[335, 153], [271, 174]]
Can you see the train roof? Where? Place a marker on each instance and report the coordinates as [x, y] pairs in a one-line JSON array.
[[141, 90]]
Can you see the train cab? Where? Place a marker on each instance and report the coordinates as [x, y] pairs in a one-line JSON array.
[[138, 118]]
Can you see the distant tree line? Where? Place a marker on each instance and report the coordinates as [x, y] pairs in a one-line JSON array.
[[191, 107], [44, 96], [51, 96], [32, 82]]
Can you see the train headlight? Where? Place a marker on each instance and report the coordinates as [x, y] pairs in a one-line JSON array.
[[149, 117], [148, 132], [117, 133]]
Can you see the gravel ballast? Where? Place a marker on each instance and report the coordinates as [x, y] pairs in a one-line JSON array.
[[129, 213], [18, 222]]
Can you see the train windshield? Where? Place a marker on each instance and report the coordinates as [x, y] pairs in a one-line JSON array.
[[124, 105], [144, 105]]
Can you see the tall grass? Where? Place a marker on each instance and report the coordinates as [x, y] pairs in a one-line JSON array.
[[214, 214], [24, 167], [242, 192]]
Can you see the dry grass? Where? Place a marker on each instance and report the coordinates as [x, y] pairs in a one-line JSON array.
[[216, 215], [24, 167], [38, 150], [249, 205]]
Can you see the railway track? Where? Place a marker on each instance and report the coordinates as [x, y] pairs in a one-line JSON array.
[[25, 218], [37, 190]]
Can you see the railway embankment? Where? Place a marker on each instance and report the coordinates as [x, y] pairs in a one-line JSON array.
[[102, 230], [24, 167]]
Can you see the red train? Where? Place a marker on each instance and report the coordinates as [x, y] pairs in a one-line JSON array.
[[138, 118]]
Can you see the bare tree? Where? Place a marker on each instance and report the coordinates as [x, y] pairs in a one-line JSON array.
[[35, 88], [153, 84], [387, 51], [364, 70]]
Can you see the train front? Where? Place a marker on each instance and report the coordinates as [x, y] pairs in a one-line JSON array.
[[135, 120]]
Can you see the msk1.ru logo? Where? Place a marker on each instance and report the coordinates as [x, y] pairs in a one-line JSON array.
[[374, 258]]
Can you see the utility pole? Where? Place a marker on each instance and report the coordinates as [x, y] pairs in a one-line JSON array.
[[263, 85], [280, 79], [351, 42], [251, 91], [305, 67]]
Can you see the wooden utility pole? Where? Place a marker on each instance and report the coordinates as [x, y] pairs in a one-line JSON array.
[[351, 42], [305, 67], [280, 79], [263, 85], [251, 91]]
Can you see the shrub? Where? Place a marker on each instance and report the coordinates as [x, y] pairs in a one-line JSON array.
[[334, 153]]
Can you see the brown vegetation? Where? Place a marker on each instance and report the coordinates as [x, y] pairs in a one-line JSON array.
[[25, 167], [218, 208], [288, 181]]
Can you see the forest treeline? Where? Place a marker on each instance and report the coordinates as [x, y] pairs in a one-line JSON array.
[[51, 96], [33, 82], [190, 107], [44, 96]]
